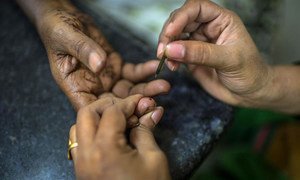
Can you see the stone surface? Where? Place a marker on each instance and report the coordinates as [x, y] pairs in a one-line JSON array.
[[35, 116]]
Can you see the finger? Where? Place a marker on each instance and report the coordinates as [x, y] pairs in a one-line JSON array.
[[173, 65], [198, 53], [98, 37], [85, 50], [103, 103], [132, 121], [150, 120], [113, 121], [163, 39], [122, 88], [151, 88], [88, 119], [105, 95], [72, 138], [112, 71], [186, 16], [144, 106], [139, 72], [191, 27], [86, 128], [142, 137], [81, 99]]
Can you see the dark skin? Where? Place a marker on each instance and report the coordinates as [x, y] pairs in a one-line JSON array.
[[82, 62], [96, 80], [223, 58], [104, 152]]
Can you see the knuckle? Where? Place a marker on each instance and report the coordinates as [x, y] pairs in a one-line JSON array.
[[230, 16], [81, 48], [85, 169], [131, 104], [58, 29], [199, 54], [230, 13], [161, 156], [110, 100], [173, 13]]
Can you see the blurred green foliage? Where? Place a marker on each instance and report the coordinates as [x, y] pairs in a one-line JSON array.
[[235, 157]]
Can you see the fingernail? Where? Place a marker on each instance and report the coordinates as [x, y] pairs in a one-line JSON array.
[[170, 65], [160, 50], [175, 51], [173, 68], [95, 62], [157, 114]]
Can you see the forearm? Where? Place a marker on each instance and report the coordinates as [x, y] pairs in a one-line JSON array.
[[282, 91], [36, 9]]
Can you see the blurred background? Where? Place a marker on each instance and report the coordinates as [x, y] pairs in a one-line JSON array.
[[259, 144], [274, 24]]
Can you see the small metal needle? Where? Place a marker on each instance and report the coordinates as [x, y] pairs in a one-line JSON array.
[[162, 60], [160, 65]]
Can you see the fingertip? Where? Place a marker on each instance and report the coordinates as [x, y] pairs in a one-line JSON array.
[[160, 50], [151, 119], [97, 62], [169, 65], [164, 87], [145, 105], [159, 86], [157, 114], [172, 65], [151, 65], [132, 121], [175, 51]]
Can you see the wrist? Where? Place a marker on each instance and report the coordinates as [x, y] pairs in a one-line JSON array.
[[270, 94], [36, 9], [47, 8]]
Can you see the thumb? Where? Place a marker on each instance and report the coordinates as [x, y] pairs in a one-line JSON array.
[[197, 52], [142, 137], [86, 51]]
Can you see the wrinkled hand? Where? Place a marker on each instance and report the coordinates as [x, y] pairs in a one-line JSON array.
[[218, 50], [103, 151], [84, 65], [82, 62]]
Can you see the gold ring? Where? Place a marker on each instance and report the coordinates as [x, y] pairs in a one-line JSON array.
[[70, 147]]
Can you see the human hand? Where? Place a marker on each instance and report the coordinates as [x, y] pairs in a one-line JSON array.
[[219, 52], [103, 151], [83, 63]]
